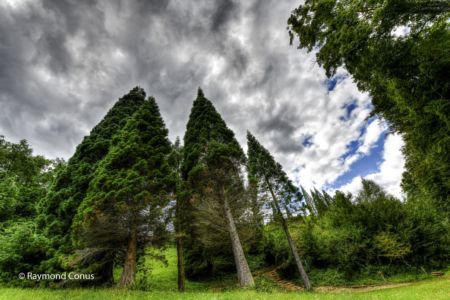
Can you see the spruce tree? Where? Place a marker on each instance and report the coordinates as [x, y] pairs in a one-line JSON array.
[[123, 209], [271, 179], [59, 207], [212, 165]]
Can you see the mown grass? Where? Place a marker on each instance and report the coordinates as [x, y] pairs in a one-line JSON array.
[[161, 283], [435, 289]]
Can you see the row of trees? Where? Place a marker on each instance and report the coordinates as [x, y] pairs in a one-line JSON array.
[[368, 235], [127, 188], [126, 184]]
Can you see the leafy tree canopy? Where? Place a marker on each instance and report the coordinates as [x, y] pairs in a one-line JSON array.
[[399, 52]]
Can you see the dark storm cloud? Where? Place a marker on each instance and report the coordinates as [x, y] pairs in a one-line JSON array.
[[94, 51], [279, 126], [65, 62], [52, 48], [223, 12], [71, 12], [153, 7], [75, 58]]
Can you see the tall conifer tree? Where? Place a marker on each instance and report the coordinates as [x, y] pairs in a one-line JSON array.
[[124, 206], [58, 209], [212, 169], [273, 180]]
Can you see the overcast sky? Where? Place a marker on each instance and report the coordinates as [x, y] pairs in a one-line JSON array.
[[63, 64]]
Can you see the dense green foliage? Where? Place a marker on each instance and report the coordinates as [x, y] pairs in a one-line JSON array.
[[123, 209], [406, 74], [24, 179], [67, 192], [370, 233]]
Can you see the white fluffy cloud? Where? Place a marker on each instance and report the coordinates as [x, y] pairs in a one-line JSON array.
[[391, 169], [373, 132]]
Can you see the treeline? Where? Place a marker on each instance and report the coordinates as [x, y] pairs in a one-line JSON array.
[[128, 189], [24, 182], [371, 234]]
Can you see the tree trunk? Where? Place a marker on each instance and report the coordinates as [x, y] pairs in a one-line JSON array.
[[292, 245], [288, 211], [180, 258], [129, 267], [179, 232], [180, 264], [210, 267], [106, 273], [245, 277]]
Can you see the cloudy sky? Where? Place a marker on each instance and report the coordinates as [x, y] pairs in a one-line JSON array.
[[64, 64]]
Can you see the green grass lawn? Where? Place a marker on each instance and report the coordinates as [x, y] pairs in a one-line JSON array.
[[431, 289], [162, 284]]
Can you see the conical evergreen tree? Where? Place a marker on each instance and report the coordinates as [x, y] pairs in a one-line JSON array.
[[59, 207], [212, 170], [271, 179], [123, 210]]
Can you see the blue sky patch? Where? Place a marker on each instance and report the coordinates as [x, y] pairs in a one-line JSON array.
[[333, 81], [364, 166], [307, 141], [349, 108], [352, 148]]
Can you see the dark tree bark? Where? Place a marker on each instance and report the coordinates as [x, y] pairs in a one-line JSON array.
[[106, 273], [210, 267], [129, 267], [180, 265], [180, 258]]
